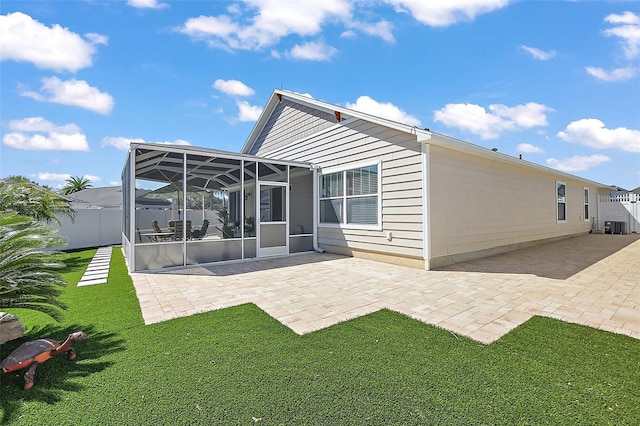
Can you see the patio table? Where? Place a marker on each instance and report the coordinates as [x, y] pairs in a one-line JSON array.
[[159, 236]]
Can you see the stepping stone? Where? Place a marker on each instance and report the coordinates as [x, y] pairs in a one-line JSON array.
[[94, 276], [97, 271], [92, 282]]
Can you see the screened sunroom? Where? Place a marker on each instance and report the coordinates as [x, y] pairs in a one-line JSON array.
[[221, 207]]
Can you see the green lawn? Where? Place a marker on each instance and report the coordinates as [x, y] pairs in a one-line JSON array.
[[232, 365]]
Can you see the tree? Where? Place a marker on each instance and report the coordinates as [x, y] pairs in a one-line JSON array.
[[28, 265], [75, 184], [18, 194]]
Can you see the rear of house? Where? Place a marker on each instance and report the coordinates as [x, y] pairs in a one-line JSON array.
[[484, 202], [399, 194]]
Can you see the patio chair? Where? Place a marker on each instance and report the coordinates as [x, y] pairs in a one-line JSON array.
[[200, 233], [178, 227], [159, 231]]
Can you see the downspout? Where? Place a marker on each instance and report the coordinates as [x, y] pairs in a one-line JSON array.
[[423, 138], [426, 204], [315, 168]]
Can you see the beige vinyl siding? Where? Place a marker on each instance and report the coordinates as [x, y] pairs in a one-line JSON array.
[[481, 204], [290, 122], [357, 142]]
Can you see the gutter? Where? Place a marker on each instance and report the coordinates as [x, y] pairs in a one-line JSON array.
[[315, 168]]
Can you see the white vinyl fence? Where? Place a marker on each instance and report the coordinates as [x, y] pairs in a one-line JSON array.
[[619, 213], [91, 228], [97, 227]]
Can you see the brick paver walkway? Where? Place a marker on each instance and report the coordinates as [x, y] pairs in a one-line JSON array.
[[592, 280]]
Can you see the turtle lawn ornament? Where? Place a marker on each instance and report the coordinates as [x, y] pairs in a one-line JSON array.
[[31, 354]]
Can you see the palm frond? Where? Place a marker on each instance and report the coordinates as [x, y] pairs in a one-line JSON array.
[[29, 265]]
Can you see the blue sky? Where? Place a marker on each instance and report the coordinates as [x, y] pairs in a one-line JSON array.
[[555, 81]]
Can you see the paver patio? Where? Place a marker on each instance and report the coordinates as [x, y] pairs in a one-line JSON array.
[[592, 280]]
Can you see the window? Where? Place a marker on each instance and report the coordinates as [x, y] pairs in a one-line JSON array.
[[350, 196], [561, 191], [586, 204]]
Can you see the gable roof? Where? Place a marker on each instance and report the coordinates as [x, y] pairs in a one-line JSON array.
[[422, 135], [344, 113]]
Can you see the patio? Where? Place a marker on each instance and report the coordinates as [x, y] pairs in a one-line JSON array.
[[591, 280]]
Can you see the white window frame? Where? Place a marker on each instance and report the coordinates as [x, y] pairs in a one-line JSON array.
[[587, 207], [558, 202], [343, 169]]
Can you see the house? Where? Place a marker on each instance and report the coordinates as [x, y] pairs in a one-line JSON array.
[[313, 175]]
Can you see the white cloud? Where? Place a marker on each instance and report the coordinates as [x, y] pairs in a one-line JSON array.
[[176, 142], [617, 74], [490, 124], [382, 29], [529, 149], [383, 109], [312, 51], [73, 92], [248, 112], [443, 13], [627, 17], [233, 87], [593, 133], [97, 38], [38, 134], [539, 54], [577, 163], [122, 143], [258, 24], [147, 4], [51, 142], [47, 176], [348, 34], [627, 28], [39, 124], [271, 21], [61, 177], [56, 48]]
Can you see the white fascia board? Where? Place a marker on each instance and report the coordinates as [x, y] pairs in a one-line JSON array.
[[448, 142], [190, 149]]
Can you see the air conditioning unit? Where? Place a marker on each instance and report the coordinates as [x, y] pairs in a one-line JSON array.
[[611, 227]]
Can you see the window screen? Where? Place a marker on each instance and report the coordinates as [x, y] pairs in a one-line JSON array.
[[350, 197]]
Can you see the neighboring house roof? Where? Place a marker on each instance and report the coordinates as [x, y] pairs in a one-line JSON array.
[[636, 191], [111, 196], [422, 135], [99, 197]]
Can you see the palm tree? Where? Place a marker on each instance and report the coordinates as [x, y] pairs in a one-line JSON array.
[[28, 265], [18, 194], [75, 184]]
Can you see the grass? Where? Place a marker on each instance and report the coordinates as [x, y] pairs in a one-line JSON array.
[[232, 365]]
